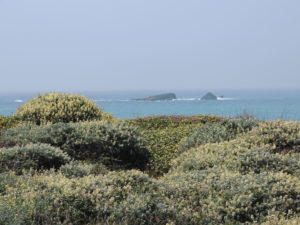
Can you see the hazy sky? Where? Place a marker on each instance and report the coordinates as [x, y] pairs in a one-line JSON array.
[[100, 45]]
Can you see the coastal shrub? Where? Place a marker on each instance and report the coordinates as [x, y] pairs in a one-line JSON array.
[[79, 169], [223, 154], [163, 145], [162, 122], [116, 198], [190, 193], [59, 107], [260, 160], [163, 134], [7, 179], [218, 196], [249, 198], [109, 118], [218, 132], [8, 122], [31, 156], [116, 144], [281, 220], [237, 181], [281, 136]]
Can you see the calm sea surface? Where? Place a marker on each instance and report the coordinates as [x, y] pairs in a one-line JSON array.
[[262, 104]]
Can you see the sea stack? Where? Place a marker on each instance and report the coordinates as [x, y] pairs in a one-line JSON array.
[[161, 97], [209, 96]]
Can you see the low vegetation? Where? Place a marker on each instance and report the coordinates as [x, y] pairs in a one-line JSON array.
[[164, 134], [31, 156], [59, 107], [154, 170], [115, 144]]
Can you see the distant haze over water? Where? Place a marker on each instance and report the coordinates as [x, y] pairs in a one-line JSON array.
[[272, 104]]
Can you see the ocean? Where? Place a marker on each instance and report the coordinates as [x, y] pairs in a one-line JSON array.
[[267, 105]]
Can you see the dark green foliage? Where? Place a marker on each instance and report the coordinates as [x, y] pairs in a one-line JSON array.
[[113, 144], [218, 132], [163, 145], [163, 135], [260, 160], [31, 156], [162, 122], [79, 169]]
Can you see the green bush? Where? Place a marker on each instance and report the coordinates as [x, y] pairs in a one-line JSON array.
[[79, 169], [190, 193], [114, 144], [162, 122], [8, 122], [8, 179], [163, 146], [260, 160], [218, 196], [218, 132], [238, 154], [59, 107], [116, 198], [281, 136], [210, 155], [163, 134], [249, 198], [281, 220], [31, 156]]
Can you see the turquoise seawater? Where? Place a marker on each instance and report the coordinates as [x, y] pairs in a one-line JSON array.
[[261, 104]]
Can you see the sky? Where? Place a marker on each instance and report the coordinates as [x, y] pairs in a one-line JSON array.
[[113, 45]]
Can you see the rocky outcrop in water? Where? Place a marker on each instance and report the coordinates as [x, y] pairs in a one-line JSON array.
[[209, 96], [167, 96]]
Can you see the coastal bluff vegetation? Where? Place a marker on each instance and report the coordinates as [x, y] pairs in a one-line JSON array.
[[63, 160]]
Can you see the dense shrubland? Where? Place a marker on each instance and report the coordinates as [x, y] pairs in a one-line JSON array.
[[191, 170], [218, 132], [115, 144], [164, 134], [31, 156]]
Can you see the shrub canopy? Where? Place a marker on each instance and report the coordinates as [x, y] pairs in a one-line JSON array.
[[241, 178], [31, 156], [59, 107], [281, 136], [113, 144], [163, 135], [218, 132]]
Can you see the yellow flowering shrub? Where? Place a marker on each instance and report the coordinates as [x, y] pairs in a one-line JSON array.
[[59, 107]]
